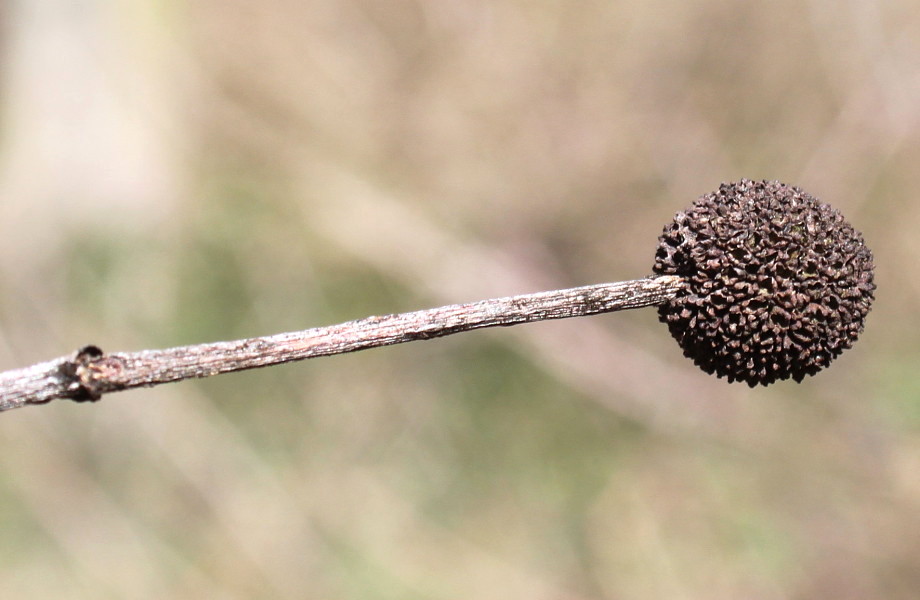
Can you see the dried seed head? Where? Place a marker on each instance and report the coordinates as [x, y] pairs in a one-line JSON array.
[[777, 284]]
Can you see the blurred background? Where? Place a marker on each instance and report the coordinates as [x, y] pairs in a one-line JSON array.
[[183, 172]]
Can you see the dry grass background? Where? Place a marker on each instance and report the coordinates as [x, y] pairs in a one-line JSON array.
[[183, 172]]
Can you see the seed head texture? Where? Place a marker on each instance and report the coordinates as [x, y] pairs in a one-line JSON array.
[[777, 284]]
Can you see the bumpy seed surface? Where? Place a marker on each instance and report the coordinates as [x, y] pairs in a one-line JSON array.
[[777, 283]]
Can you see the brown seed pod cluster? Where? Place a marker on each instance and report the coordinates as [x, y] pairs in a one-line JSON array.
[[777, 283]]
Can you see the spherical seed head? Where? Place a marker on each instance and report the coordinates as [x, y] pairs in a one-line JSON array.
[[777, 283]]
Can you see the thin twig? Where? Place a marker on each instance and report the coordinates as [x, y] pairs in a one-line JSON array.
[[91, 373]]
